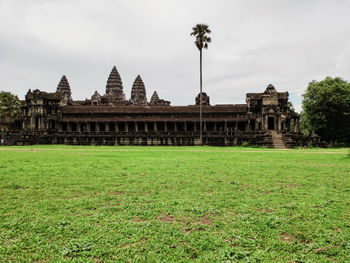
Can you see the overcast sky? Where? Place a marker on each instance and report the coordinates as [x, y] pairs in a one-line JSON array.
[[254, 43]]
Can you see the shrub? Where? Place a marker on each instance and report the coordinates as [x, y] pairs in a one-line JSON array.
[[245, 144], [309, 145]]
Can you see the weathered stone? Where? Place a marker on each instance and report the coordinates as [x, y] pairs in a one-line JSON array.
[[205, 99], [114, 87], [63, 88], [138, 92], [156, 101], [96, 98]]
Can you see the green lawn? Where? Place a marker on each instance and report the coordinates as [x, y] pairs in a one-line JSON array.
[[174, 204]]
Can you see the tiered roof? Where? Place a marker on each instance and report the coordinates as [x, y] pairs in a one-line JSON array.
[[63, 85], [138, 92], [114, 87], [154, 98]]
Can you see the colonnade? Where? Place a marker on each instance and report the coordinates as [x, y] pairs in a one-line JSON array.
[[155, 126]]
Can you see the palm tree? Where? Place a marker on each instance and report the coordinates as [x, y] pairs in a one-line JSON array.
[[200, 31]]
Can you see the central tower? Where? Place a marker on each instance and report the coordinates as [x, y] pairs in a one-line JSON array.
[[114, 87]]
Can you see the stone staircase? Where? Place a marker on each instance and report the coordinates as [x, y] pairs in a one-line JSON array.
[[277, 140]]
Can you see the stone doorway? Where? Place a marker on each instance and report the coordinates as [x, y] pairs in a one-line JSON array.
[[271, 123]]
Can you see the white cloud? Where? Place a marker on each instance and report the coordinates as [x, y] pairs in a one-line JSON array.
[[286, 43]]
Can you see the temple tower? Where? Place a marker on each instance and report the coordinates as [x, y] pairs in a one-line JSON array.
[[96, 98], [138, 92], [114, 87], [63, 88], [154, 99]]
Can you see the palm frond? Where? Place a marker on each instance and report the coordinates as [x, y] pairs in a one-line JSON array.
[[200, 31]]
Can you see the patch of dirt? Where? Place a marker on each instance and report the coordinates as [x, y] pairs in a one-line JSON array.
[[130, 245], [267, 192], [186, 231], [166, 218], [291, 186], [143, 240], [286, 237], [284, 185], [205, 220], [139, 220], [268, 211]]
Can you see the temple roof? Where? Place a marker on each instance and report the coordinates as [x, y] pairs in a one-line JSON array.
[[96, 94], [270, 90], [138, 92], [154, 97], [63, 85], [114, 82]]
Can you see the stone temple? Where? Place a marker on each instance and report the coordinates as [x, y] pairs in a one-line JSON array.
[[266, 119]]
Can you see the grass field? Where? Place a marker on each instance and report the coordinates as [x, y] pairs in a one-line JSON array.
[[174, 204]]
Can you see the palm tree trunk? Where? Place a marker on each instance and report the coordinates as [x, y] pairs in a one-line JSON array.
[[200, 100]]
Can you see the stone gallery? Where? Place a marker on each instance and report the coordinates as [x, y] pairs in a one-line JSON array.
[[266, 119]]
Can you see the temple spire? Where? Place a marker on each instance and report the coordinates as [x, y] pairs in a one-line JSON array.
[[63, 85], [63, 88], [138, 92], [156, 101], [154, 98], [114, 87]]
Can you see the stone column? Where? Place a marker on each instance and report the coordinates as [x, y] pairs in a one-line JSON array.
[[215, 128], [204, 126], [78, 124], [236, 125], [146, 126], [116, 126], [185, 126], [276, 122], [279, 123], [97, 126], [126, 126], [165, 126], [155, 126], [136, 127], [107, 126], [175, 126], [298, 124], [225, 127]]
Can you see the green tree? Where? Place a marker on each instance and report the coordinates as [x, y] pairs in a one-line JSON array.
[[326, 109], [200, 31], [10, 107]]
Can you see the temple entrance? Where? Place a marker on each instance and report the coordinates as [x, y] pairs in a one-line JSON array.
[[271, 123]]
